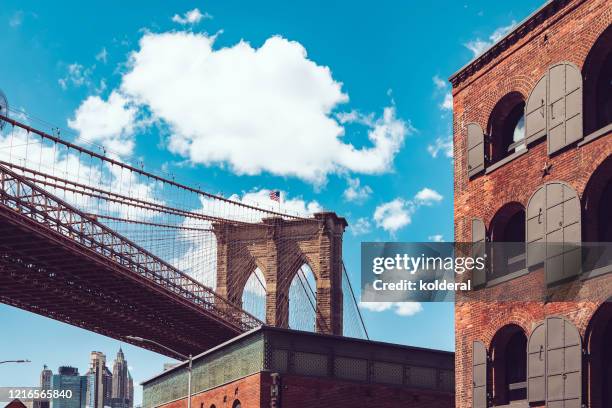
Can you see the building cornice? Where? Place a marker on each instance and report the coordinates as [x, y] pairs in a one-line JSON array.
[[546, 11]]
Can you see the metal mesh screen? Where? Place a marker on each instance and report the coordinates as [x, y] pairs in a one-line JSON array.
[[280, 361], [422, 377], [387, 373], [447, 380], [169, 388], [209, 371], [310, 364], [351, 368]]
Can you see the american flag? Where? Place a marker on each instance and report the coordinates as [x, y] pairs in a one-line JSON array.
[[275, 195]]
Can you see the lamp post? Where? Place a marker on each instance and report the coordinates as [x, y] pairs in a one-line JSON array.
[[181, 355], [15, 361]]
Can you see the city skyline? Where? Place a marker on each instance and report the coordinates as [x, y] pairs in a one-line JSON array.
[[98, 387]]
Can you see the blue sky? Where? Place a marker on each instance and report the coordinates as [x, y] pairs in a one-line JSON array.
[[369, 81]]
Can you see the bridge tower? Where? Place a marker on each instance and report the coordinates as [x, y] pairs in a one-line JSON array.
[[279, 247]]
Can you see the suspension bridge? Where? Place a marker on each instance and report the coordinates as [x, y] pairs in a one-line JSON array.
[[99, 241]]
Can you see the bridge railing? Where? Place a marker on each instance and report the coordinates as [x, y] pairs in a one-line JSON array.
[[37, 204]]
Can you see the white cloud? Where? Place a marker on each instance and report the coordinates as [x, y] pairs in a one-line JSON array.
[[400, 308], [296, 206], [102, 56], [110, 123], [436, 238], [396, 214], [242, 106], [478, 46], [190, 17], [439, 83], [76, 75], [427, 196], [442, 145], [360, 227], [447, 103], [393, 215], [356, 192], [442, 87], [16, 19]]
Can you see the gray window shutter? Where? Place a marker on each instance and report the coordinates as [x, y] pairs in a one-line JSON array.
[[563, 364], [479, 238], [475, 149], [564, 102], [479, 375], [536, 365], [536, 250], [562, 233], [535, 112], [554, 231]]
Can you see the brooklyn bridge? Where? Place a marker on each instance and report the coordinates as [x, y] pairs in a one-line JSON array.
[[99, 242]]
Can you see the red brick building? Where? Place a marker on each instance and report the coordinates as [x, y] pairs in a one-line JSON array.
[[272, 367], [533, 163]]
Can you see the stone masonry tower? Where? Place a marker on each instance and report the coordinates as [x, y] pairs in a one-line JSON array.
[[279, 247]]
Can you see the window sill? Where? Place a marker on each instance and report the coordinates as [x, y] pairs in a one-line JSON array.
[[507, 277], [596, 272], [505, 160], [514, 404], [596, 134]]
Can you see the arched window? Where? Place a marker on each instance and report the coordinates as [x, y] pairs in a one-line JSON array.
[[509, 362], [254, 295], [597, 73], [599, 334], [236, 404], [303, 300], [508, 227], [597, 216], [506, 127]]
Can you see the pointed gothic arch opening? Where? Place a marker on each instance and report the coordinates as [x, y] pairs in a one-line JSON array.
[[254, 295], [303, 300]]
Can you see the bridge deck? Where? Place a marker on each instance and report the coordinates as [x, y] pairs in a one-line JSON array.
[[60, 263]]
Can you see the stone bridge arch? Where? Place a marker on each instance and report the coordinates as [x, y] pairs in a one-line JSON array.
[[279, 247]]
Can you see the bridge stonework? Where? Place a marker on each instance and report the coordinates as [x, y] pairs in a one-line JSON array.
[[279, 248]]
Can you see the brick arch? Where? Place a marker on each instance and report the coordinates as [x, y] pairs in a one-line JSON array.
[[519, 317], [520, 84], [589, 39], [514, 203], [279, 247]]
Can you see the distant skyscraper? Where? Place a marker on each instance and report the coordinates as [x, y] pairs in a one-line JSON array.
[[68, 379], [122, 383], [45, 378], [99, 382], [45, 384]]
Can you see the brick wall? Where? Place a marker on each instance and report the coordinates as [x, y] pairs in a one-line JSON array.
[[302, 392], [564, 35], [247, 390]]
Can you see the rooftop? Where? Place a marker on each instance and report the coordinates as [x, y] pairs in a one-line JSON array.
[[292, 352], [519, 31]]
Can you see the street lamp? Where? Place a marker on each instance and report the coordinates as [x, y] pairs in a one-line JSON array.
[[15, 361], [181, 355]]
